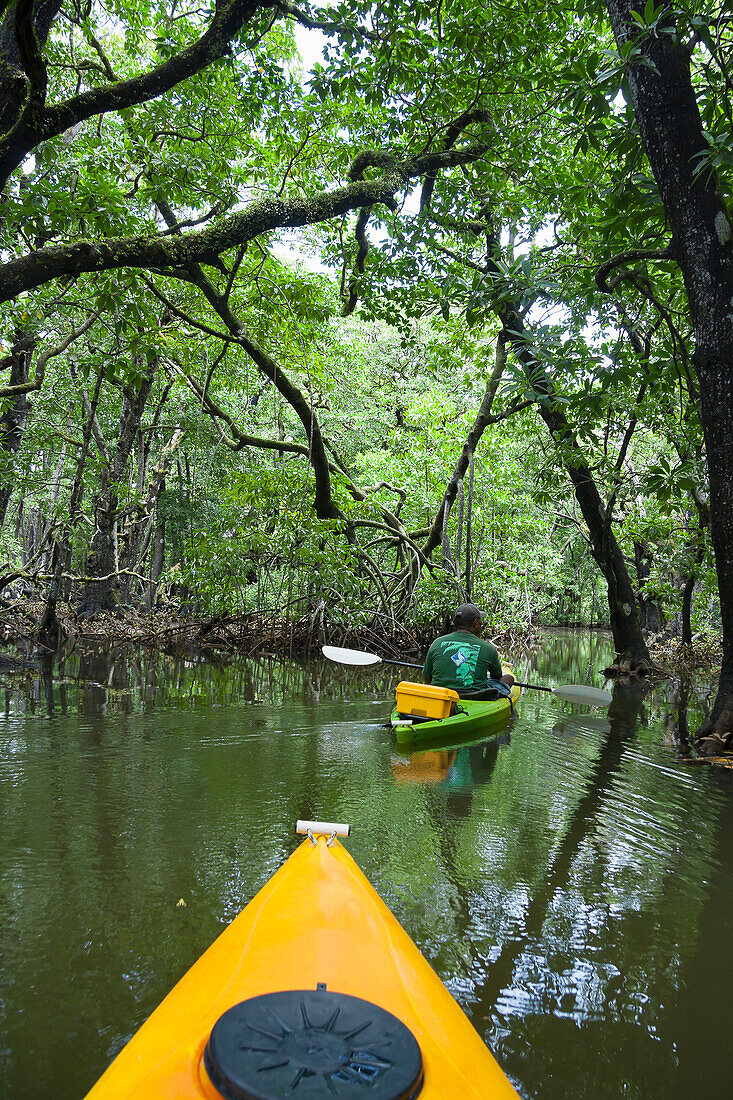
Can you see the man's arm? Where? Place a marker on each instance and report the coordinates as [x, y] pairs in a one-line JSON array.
[[505, 677], [494, 663]]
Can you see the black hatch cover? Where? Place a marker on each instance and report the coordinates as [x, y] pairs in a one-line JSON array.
[[310, 1044]]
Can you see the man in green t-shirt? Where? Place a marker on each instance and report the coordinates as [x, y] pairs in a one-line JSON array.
[[464, 660]]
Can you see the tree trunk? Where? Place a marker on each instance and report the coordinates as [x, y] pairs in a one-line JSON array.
[[484, 417], [13, 420], [141, 530], [445, 541], [137, 530], [687, 594], [469, 532], [158, 556], [100, 591], [13, 80], [459, 533], [650, 613], [671, 129], [49, 632], [622, 605]]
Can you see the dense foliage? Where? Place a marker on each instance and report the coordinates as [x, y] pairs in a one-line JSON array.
[[442, 312]]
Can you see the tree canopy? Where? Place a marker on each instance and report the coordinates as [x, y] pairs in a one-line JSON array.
[[445, 313]]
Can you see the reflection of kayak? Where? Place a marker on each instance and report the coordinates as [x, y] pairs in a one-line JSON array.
[[474, 716], [460, 777], [364, 1012], [455, 763], [424, 767], [417, 748]]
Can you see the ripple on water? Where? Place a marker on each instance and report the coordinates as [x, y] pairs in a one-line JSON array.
[[563, 878]]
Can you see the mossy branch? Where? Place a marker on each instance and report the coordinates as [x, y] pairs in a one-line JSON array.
[[165, 254]]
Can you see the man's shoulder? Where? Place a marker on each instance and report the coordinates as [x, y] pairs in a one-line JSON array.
[[447, 639]]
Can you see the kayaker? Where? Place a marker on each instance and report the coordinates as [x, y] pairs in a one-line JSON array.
[[465, 661]]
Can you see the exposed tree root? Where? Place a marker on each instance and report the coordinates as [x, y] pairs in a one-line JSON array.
[[51, 633], [716, 737], [716, 761], [630, 668], [685, 661], [176, 630]]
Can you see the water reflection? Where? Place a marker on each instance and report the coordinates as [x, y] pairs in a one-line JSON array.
[[580, 725], [569, 878], [453, 769]]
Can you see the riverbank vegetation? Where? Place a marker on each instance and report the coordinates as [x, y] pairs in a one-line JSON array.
[[442, 313]]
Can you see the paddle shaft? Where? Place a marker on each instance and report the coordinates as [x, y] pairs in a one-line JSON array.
[[406, 664], [518, 683], [573, 693]]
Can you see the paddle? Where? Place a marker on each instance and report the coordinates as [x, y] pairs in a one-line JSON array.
[[574, 693]]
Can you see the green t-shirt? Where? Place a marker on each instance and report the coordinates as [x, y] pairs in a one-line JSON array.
[[461, 661]]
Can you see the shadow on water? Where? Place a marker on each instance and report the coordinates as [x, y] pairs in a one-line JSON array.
[[569, 878]]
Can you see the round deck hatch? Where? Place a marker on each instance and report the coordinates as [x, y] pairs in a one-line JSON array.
[[312, 1044]]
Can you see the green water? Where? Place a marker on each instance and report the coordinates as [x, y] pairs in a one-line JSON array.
[[569, 879]]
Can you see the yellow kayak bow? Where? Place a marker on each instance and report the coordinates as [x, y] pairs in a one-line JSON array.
[[314, 990]]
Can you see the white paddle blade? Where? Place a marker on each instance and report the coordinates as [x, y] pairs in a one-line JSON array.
[[579, 693], [350, 656]]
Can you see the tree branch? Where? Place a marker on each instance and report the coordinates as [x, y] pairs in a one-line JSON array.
[[31, 59], [240, 439], [27, 387], [40, 125], [484, 417], [288, 8], [454, 131], [362, 252], [631, 256], [162, 254]]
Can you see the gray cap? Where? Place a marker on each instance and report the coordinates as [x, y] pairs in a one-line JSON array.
[[466, 614]]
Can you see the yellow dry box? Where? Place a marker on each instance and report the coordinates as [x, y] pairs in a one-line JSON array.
[[425, 700]]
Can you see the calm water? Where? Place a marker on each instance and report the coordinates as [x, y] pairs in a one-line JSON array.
[[569, 879]]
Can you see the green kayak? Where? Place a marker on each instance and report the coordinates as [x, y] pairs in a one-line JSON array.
[[474, 717]]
